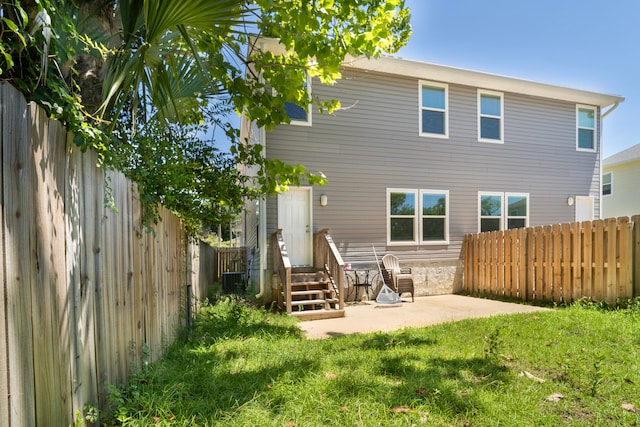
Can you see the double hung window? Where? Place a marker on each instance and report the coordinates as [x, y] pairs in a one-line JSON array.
[[490, 116], [607, 184], [417, 216], [500, 211], [586, 129], [434, 117]]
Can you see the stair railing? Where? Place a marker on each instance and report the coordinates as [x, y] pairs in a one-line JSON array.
[[325, 252], [282, 266]]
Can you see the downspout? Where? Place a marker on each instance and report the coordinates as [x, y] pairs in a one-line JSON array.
[[262, 227], [602, 116]]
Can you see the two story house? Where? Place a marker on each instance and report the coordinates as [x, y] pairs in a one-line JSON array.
[[620, 182], [421, 154]]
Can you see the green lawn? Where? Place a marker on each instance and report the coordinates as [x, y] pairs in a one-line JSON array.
[[245, 367]]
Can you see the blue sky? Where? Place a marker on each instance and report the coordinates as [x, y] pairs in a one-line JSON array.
[[584, 44]]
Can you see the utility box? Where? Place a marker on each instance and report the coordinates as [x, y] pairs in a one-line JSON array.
[[233, 282]]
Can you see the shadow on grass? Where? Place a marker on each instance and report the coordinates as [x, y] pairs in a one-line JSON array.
[[241, 360]]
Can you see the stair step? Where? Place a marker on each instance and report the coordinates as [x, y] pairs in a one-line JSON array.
[[310, 292], [307, 302], [318, 314], [309, 283]]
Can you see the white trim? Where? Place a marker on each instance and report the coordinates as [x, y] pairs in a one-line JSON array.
[[421, 216], [415, 192], [500, 117], [595, 127], [421, 84]]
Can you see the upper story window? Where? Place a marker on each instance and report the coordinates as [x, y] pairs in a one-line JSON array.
[[490, 116], [586, 128], [296, 113], [607, 184], [434, 117], [495, 214], [417, 216]]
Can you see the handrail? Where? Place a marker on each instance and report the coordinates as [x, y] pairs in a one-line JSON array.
[[282, 265], [326, 253]]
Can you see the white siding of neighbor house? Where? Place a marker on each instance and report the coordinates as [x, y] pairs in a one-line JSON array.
[[374, 144], [624, 199]]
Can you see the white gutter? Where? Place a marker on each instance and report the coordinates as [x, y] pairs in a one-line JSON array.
[[262, 226], [613, 107]]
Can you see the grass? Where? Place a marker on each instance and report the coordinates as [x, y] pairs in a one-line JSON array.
[[243, 366]]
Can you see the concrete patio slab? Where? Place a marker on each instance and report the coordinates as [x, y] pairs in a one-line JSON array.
[[368, 316]]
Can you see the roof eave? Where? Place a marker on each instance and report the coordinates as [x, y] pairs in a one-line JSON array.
[[428, 71]]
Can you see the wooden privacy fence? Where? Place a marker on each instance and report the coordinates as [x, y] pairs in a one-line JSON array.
[[596, 259], [86, 295], [229, 260]]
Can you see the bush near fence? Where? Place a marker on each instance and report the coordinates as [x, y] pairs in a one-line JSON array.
[[564, 262], [86, 295]]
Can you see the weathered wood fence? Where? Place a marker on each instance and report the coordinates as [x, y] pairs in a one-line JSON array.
[[86, 295], [563, 262], [229, 260]]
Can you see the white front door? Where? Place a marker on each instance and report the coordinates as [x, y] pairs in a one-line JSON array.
[[294, 218], [584, 208]]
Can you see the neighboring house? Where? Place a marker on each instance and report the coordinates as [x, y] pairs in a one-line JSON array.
[[620, 183], [422, 154]]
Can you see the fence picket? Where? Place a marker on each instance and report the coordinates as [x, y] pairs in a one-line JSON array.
[[556, 238], [521, 265], [566, 280], [625, 277], [509, 290]]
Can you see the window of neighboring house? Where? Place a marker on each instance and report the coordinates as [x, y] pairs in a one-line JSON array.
[[607, 184], [490, 116], [402, 216], [586, 129], [435, 216], [434, 120], [496, 215]]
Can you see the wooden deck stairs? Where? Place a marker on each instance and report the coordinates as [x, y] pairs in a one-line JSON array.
[[311, 293]]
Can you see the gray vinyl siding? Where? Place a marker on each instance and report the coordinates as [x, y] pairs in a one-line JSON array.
[[373, 144]]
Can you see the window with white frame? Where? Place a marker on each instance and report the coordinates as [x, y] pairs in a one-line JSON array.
[[607, 184], [417, 216], [434, 119], [586, 128], [434, 205], [401, 216], [500, 211], [490, 116], [296, 113]]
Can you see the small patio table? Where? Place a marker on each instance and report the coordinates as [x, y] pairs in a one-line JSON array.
[[362, 279]]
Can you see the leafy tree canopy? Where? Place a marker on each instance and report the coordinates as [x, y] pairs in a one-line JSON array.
[[136, 80]]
